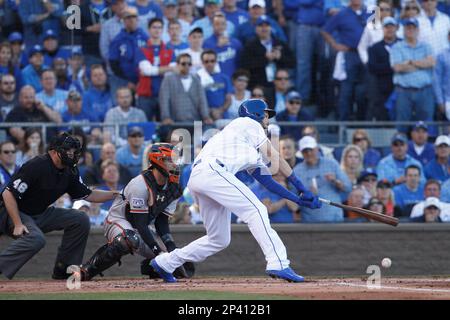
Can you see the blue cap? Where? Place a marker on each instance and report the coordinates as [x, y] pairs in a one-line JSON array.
[[76, 51], [35, 49], [135, 130], [15, 37], [366, 173], [195, 29], [389, 21], [293, 95], [420, 125], [167, 3], [212, 2], [411, 21], [399, 137], [263, 19], [111, 2], [50, 34]]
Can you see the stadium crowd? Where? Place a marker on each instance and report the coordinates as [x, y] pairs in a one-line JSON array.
[[138, 63]]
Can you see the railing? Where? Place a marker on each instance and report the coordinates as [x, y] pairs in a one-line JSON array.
[[333, 133]]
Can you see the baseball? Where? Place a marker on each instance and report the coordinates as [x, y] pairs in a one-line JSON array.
[[386, 262]]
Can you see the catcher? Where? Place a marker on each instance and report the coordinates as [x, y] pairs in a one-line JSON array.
[[149, 198]]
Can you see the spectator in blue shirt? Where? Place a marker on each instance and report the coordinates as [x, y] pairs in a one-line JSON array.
[[218, 89], [19, 58], [124, 50], [50, 95], [439, 167], [256, 9], [324, 178], [7, 66], [130, 155], [75, 114], [51, 48], [7, 162], [419, 148], [408, 194], [309, 42], [226, 47], [348, 26], [413, 64], [441, 83], [176, 44], [31, 74], [293, 113], [148, 9], [445, 195], [38, 16], [206, 23], [280, 210], [234, 14], [97, 100], [110, 175], [392, 167]]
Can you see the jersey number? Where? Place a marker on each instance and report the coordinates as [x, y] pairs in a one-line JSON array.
[[20, 186]]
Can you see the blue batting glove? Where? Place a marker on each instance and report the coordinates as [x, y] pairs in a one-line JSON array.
[[310, 202]]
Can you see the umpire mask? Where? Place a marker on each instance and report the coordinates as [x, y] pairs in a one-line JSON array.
[[63, 144]]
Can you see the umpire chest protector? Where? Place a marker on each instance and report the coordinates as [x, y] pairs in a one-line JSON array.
[[162, 197]]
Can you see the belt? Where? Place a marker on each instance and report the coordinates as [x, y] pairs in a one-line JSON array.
[[411, 88], [200, 161]]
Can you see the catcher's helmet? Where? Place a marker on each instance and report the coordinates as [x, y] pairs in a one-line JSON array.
[[62, 144], [254, 109], [165, 158]]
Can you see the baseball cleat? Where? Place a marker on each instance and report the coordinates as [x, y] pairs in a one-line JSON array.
[[286, 274], [166, 276]]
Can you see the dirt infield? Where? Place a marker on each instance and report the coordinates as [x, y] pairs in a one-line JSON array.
[[345, 288]]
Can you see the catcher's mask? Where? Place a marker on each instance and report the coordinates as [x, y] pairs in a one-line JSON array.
[[63, 144], [165, 158]]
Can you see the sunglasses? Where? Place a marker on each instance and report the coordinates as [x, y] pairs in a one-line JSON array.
[[360, 139], [369, 179], [184, 64], [412, 8], [137, 135], [9, 151], [282, 79]]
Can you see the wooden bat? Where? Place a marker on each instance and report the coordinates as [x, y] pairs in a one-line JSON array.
[[364, 212]]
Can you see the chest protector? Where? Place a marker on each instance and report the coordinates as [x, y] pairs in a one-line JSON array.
[[162, 198]]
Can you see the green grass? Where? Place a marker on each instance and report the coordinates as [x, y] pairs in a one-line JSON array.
[[149, 295]]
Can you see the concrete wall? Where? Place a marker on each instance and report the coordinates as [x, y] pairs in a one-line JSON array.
[[314, 250]]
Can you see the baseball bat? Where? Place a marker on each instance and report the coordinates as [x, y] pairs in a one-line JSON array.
[[364, 212]]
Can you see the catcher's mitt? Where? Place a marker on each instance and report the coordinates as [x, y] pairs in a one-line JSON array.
[[187, 270]]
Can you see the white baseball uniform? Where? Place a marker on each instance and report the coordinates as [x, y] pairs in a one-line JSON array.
[[218, 192]]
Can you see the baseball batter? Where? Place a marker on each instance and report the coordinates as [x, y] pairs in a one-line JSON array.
[[150, 197], [241, 145]]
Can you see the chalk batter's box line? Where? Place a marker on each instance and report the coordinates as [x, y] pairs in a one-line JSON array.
[[392, 288]]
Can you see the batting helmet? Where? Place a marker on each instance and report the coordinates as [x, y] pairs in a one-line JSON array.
[[254, 109], [164, 157], [62, 144]]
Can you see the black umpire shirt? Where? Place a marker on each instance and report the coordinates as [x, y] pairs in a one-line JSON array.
[[39, 183]]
